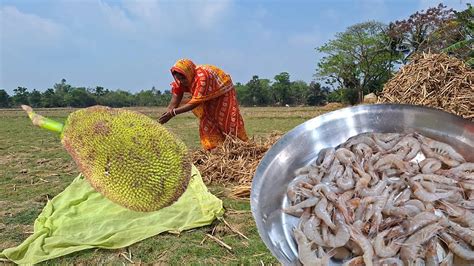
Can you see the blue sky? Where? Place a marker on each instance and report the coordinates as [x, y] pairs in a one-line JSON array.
[[131, 45]]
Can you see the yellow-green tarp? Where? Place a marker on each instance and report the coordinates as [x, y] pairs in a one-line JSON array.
[[81, 218]]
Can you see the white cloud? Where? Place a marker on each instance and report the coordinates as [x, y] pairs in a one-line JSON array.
[[187, 16], [23, 29], [148, 11], [116, 17], [211, 12]]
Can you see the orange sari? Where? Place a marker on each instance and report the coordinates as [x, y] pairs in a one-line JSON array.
[[218, 109]]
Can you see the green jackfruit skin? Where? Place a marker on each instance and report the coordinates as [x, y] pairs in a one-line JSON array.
[[128, 157]]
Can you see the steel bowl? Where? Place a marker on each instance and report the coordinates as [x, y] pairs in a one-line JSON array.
[[300, 146]]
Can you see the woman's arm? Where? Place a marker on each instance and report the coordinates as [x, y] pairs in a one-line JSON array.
[[175, 101], [175, 111], [185, 108]]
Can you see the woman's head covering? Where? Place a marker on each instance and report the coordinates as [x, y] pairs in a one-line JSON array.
[[185, 67]]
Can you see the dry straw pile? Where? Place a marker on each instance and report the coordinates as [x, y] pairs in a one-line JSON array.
[[435, 80], [234, 162]]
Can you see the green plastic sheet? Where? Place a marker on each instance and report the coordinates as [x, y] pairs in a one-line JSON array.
[[81, 218]]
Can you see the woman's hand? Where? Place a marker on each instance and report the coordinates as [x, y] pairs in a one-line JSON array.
[[165, 117]]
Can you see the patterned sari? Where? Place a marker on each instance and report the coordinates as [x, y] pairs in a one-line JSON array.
[[218, 109]]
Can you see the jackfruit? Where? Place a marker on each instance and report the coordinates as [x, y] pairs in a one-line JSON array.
[[128, 157]]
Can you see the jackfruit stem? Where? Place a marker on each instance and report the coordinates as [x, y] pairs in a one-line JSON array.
[[42, 121]]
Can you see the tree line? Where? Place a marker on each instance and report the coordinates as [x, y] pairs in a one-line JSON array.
[[64, 95], [356, 62], [256, 92]]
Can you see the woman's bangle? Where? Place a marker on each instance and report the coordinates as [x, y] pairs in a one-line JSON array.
[[174, 111]]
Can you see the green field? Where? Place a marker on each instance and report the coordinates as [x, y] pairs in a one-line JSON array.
[[34, 167]]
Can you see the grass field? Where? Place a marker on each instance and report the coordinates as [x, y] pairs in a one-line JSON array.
[[34, 167]]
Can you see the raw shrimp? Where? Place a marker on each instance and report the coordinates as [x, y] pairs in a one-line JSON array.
[[468, 204], [463, 168], [403, 196], [362, 138], [321, 212], [420, 220], [391, 221], [460, 214], [424, 195], [363, 206], [377, 212], [430, 165], [356, 261], [328, 156], [385, 251], [375, 190], [431, 255], [386, 141], [325, 257], [441, 148], [324, 232], [389, 262], [407, 148], [335, 171], [330, 195], [342, 233], [315, 175], [306, 193], [464, 233], [467, 184], [389, 160], [362, 150], [364, 181], [391, 172], [297, 210], [445, 159], [326, 191], [447, 260], [346, 182], [411, 248], [345, 156], [354, 248], [408, 210], [293, 186], [434, 178], [305, 254], [456, 197], [462, 171], [416, 203], [372, 171], [462, 250], [429, 186], [311, 230], [364, 243], [397, 232]]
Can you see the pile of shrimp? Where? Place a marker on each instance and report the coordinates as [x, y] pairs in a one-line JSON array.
[[384, 199]]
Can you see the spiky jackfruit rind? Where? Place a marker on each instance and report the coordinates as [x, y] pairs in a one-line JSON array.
[[128, 157]]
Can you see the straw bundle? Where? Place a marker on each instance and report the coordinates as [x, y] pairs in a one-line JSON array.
[[234, 162], [435, 80]]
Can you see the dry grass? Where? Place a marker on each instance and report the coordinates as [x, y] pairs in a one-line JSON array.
[[234, 162], [435, 80]]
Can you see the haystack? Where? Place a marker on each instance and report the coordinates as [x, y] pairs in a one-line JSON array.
[[234, 162], [435, 80]]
